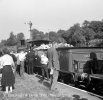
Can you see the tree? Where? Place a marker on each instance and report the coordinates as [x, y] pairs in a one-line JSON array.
[[11, 41], [99, 35], [97, 26], [93, 30], [53, 36], [78, 39], [89, 33], [61, 40], [60, 36], [60, 32], [3, 43], [85, 24], [74, 35], [36, 35], [20, 36]]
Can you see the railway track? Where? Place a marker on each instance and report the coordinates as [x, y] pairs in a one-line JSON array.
[[82, 90]]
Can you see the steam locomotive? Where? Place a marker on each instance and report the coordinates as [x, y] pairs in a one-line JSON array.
[[72, 61]]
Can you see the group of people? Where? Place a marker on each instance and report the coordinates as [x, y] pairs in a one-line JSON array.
[[11, 64], [48, 61]]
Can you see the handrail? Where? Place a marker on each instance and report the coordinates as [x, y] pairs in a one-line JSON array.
[[97, 76], [67, 72]]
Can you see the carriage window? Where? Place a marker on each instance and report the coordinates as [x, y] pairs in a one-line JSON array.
[[75, 64], [81, 65]]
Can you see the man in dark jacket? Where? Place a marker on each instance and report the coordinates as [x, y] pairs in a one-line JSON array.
[[53, 64], [30, 57], [94, 65]]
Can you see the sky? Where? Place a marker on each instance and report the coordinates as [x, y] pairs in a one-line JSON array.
[[46, 15]]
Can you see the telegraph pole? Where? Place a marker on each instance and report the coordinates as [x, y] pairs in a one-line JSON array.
[[48, 34], [30, 25]]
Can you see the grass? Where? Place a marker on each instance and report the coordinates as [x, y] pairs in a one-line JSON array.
[[30, 88]]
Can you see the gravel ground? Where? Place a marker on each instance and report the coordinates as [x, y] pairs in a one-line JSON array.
[[31, 88]]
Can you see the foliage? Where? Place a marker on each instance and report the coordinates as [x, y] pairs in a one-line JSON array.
[[11, 41], [20, 36], [89, 33], [97, 26], [3, 43], [36, 35], [52, 36], [96, 42], [76, 35]]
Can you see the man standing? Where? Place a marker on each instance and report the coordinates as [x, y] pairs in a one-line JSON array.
[[53, 64], [21, 59], [30, 58], [44, 62]]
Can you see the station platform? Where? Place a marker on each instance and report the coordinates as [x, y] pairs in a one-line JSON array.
[[76, 94], [30, 87]]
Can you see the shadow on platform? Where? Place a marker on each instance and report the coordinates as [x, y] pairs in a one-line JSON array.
[[40, 79], [47, 84], [38, 76], [43, 81], [77, 97]]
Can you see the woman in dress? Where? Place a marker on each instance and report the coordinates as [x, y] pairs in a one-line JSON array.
[[8, 78]]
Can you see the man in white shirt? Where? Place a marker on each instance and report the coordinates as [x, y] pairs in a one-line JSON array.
[[44, 62], [20, 60]]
